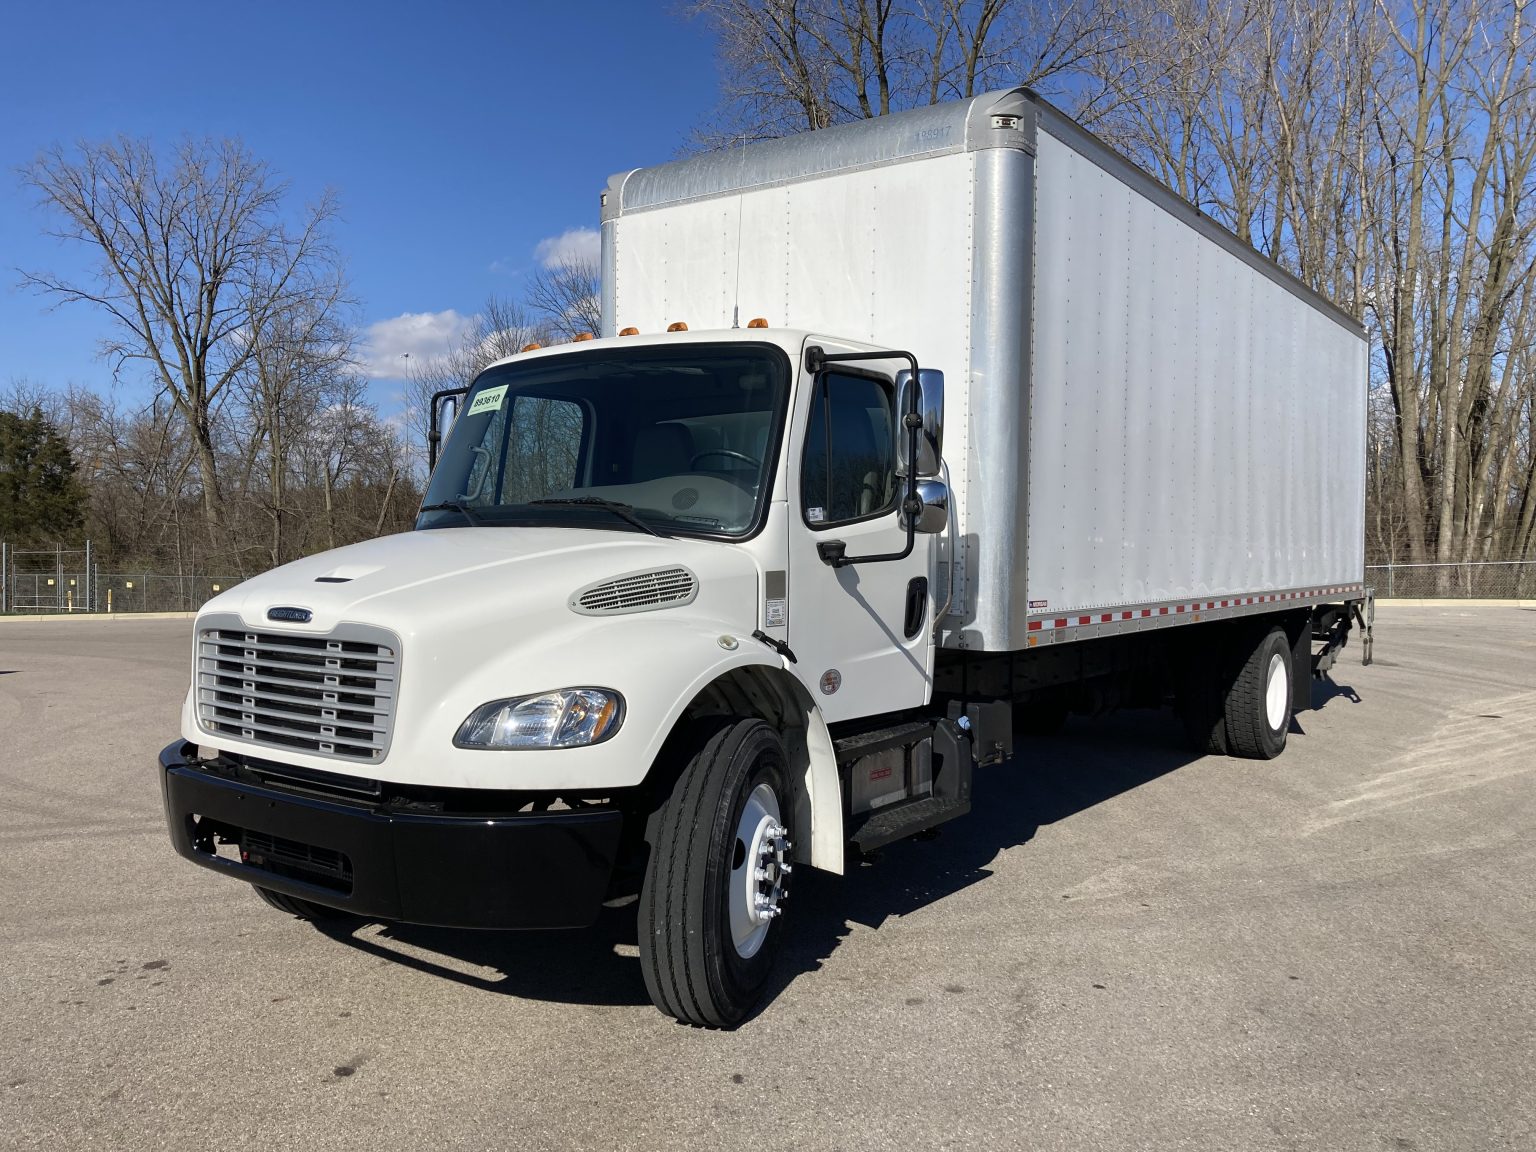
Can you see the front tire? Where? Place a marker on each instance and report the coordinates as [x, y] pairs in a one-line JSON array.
[[710, 903]]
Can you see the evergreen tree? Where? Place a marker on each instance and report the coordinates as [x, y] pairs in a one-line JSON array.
[[41, 501]]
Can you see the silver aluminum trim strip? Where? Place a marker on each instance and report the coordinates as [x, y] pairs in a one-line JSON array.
[[1149, 617]]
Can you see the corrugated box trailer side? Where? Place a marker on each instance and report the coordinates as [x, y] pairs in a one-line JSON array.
[[1197, 417]]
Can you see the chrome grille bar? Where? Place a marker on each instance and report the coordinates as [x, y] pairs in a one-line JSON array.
[[331, 694]]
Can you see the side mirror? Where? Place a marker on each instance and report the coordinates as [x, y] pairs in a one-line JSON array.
[[444, 411], [934, 517], [930, 405]]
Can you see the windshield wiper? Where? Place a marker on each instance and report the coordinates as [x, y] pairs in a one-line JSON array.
[[625, 511], [459, 506]]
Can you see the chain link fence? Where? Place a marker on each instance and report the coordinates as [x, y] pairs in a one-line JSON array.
[[1489, 580], [60, 581], [154, 592]]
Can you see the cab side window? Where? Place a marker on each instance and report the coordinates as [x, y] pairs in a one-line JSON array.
[[849, 463]]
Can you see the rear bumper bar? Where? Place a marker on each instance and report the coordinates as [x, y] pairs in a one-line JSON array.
[[527, 870]]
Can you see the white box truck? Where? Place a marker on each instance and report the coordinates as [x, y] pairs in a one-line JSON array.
[[898, 435]]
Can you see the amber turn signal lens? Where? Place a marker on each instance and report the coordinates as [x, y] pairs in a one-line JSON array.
[[758, 322], [629, 331], [677, 326], [580, 336]]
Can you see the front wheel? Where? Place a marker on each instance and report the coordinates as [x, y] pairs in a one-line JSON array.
[[717, 876]]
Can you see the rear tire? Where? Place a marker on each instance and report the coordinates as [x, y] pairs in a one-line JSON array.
[[294, 906], [708, 924], [1258, 705]]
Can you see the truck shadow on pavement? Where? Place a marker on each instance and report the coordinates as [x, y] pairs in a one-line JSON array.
[[1047, 780]]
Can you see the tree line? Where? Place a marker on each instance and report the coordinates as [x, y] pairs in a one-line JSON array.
[[1381, 151], [261, 442]]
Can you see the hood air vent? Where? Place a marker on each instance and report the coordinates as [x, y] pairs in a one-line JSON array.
[[637, 592]]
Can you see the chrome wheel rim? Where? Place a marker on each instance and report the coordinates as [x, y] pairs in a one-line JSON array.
[[759, 871], [1276, 690]]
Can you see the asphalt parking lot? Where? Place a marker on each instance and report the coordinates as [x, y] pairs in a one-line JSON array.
[[1123, 947]]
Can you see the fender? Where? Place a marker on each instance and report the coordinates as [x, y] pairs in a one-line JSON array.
[[736, 672]]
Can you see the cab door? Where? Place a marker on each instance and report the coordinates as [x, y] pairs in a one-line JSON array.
[[860, 633]]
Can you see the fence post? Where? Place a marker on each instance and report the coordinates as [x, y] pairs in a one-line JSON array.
[[1391, 582]]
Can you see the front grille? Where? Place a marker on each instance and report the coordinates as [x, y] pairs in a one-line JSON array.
[[637, 592], [331, 694]]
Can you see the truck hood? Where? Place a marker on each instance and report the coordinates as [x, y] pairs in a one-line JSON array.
[[506, 579]]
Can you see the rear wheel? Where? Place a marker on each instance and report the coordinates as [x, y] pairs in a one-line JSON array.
[[718, 872], [294, 906], [1258, 705]]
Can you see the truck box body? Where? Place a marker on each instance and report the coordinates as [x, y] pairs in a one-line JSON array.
[[1145, 418]]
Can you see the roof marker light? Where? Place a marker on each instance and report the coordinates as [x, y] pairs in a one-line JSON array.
[[758, 322], [580, 336], [629, 331], [677, 326], [531, 347]]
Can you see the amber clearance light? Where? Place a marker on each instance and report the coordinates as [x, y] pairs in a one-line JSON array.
[[677, 326]]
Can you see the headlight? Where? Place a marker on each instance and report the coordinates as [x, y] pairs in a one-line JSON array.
[[568, 718]]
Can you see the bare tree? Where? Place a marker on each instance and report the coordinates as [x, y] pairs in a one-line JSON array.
[[795, 65], [195, 255], [503, 327], [565, 295]]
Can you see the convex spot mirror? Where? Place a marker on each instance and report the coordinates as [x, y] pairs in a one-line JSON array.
[[930, 405], [934, 517]]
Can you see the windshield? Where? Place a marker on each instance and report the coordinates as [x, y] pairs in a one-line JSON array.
[[666, 440]]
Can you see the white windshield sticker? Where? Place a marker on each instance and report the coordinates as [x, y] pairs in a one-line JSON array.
[[815, 515], [488, 400]]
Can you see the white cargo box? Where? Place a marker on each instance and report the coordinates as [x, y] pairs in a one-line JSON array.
[[1145, 418]]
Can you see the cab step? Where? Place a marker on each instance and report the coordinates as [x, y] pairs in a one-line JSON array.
[[908, 818]]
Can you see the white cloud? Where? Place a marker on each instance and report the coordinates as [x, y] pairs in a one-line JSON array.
[[419, 335], [576, 244]]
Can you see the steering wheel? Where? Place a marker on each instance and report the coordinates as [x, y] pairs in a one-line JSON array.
[[734, 455]]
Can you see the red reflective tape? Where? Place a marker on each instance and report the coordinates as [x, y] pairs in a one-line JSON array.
[[1106, 618], [1146, 611], [1126, 615], [1163, 611], [1085, 619], [1034, 625], [1061, 623]]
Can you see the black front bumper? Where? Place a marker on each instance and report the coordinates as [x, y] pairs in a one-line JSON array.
[[526, 870]]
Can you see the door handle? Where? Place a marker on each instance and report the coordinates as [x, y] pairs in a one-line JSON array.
[[917, 606]]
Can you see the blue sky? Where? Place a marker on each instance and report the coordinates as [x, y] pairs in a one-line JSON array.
[[459, 137]]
